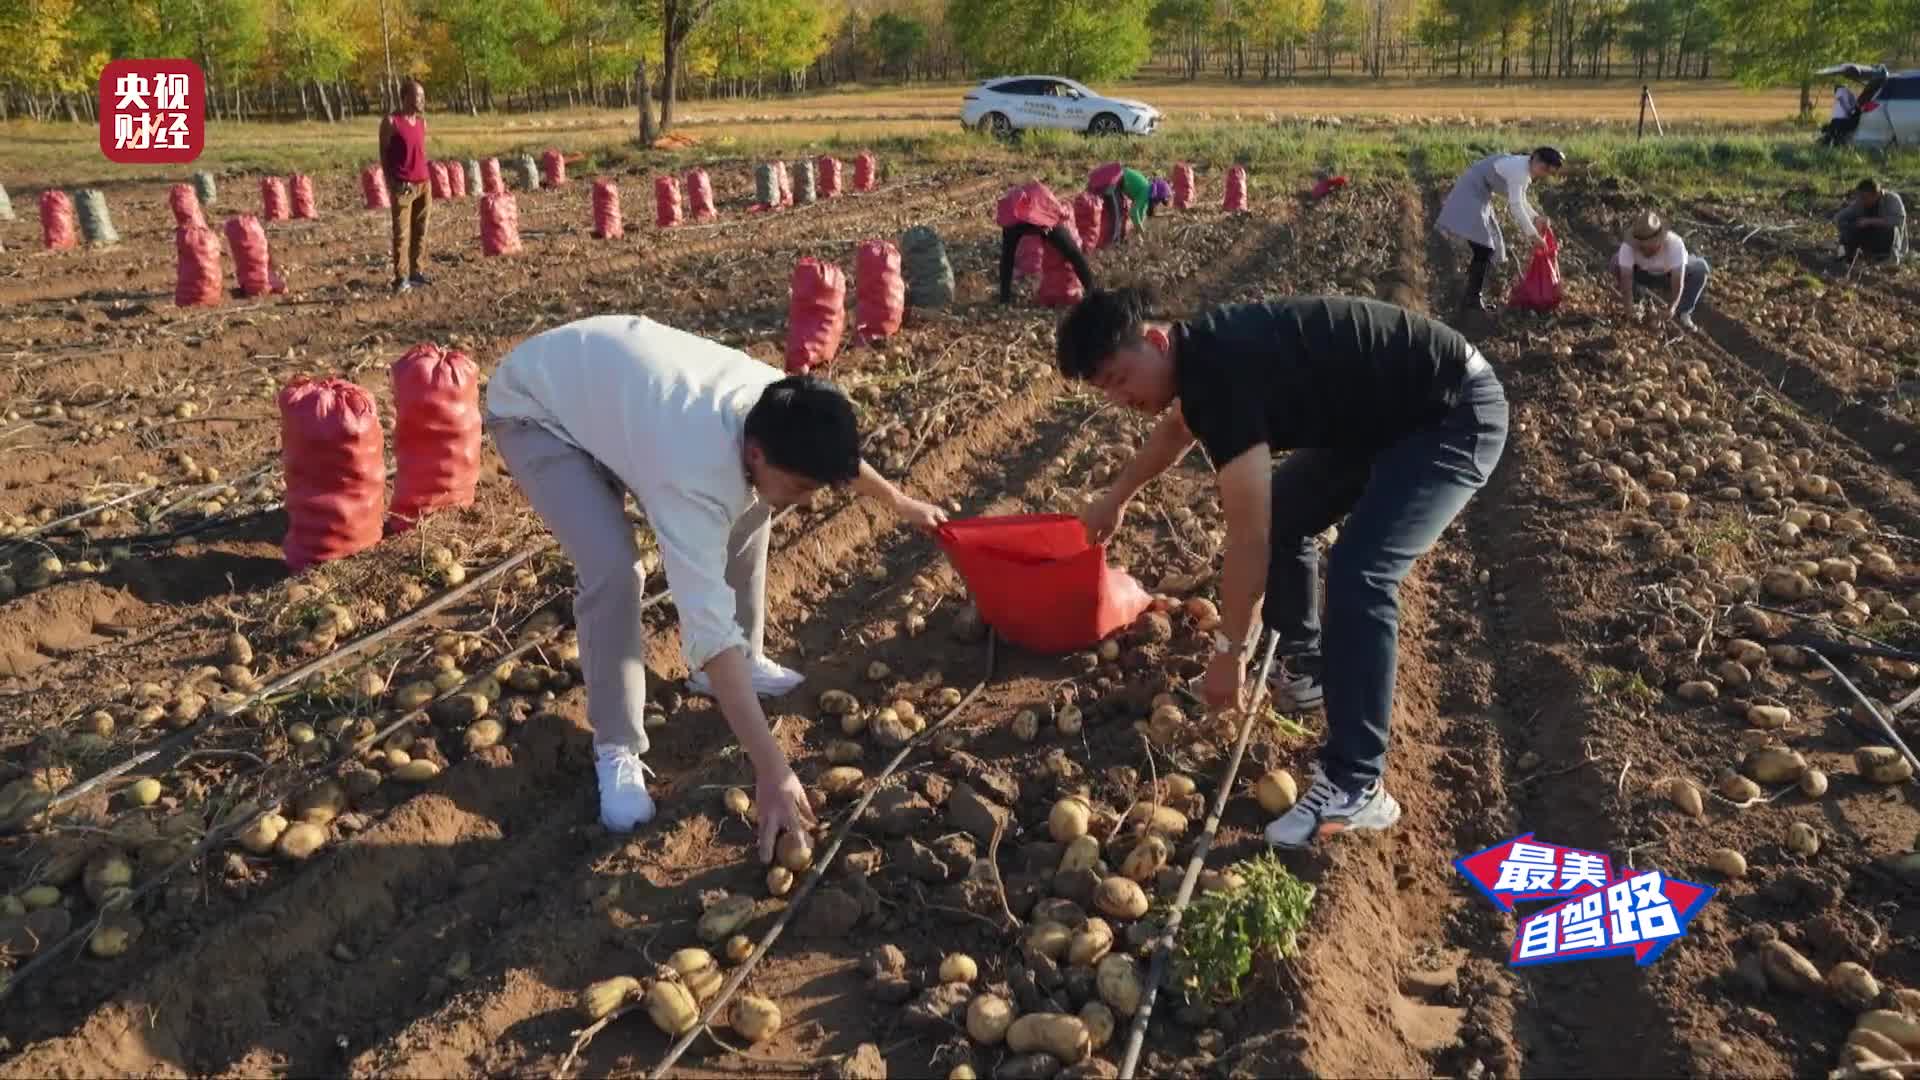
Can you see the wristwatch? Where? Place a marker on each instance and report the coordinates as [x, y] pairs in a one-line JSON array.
[[1222, 644]]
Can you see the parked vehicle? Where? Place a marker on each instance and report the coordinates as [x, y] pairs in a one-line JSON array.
[[1013, 103], [1889, 104]]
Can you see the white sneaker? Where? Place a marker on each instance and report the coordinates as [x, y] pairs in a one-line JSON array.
[[770, 680], [1327, 810], [1686, 323], [624, 802]]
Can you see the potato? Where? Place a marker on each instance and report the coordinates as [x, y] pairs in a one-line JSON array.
[[111, 939], [853, 723], [414, 695], [1786, 585], [1204, 614], [1802, 840], [301, 839], [1100, 1023], [1838, 570], [1056, 1034], [844, 752], [1119, 983], [838, 703], [1728, 862], [671, 1007], [1069, 820], [988, 1018], [1698, 692], [601, 998], [958, 968], [1146, 858], [238, 649], [1852, 985], [1882, 765], [1050, 939], [1090, 944], [890, 731], [699, 971], [1787, 970], [484, 733], [726, 916], [1684, 794], [1888, 1024], [143, 792], [1165, 820], [739, 947], [1026, 725], [1069, 720], [40, 896], [1880, 567], [1276, 791], [737, 801], [1737, 788], [1083, 853], [1768, 717], [105, 871], [1774, 764], [754, 1017], [259, 835], [838, 781], [1876, 1044], [417, 771], [1120, 898], [779, 879], [1733, 673], [962, 1071], [1813, 783]]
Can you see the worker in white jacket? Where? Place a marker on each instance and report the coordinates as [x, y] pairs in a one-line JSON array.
[[1468, 212], [710, 441]]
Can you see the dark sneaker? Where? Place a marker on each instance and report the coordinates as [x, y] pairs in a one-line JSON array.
[[1327, 810], [1295, 683], [419, 279]]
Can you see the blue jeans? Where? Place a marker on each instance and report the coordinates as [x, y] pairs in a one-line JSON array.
[[1397, 502], [1691, 287]]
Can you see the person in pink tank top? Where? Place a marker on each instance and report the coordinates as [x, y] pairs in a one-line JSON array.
[[403, 157]]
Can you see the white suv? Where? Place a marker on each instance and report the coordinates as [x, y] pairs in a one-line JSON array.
[[1005, 105]]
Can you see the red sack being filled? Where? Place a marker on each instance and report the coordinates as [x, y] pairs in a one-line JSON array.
[[437, 181], [249, 243], [436, 433], [1183, 189], [303, 207], [553, 169], [816, 315], [700, 196], [490, 182], [666, 202], [499, 224], [1059, 285], [186, 208], [881, 298], [197, 276], [456, 180], [373, 186], [273, 198], [1327, 186], [56, 220], [866, 172], [335, 467], [608, 222], [1539, 289], [1236, 197], [827, 176], [1038, 583], [1027, 256], [1089, 218]]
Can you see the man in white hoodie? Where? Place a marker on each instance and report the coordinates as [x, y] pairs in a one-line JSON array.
[[711, 442]]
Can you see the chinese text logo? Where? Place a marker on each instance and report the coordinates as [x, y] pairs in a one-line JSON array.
[[152, 111], [1637, 914]]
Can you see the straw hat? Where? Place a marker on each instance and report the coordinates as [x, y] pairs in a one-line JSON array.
[[1648, 226]]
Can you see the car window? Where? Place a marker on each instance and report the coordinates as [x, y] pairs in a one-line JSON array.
[[1907, 89], [1020, 87]]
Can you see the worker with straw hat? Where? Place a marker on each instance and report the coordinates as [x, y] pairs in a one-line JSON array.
[[1654, 257]]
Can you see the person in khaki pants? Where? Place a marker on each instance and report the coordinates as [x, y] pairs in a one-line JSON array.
[[403, 156], [710, 442]]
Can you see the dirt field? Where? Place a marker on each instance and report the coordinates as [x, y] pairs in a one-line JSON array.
[[446, 926]]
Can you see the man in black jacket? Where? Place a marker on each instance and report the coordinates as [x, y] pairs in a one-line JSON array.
[[1394, 420]]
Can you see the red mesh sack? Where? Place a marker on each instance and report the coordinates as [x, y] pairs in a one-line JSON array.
[[1235, 199], [197, 276], [700, 196], [866, 172], [666, 202], [373, 187], [1540, 288], [490, 182], [1326, 186], [499, 224], [1059, 285], [249, 243], [303, 207], [881, 300], [1089, 218], [1105, 176], [273, 199], [826, 176], [553, 169], [608, 223], [1027, 256], [816, 315], [1038, 583], [436, 433], [456, 180], [1183, 186], [186, 207], [56, 220], [335, 467], [437, 181]]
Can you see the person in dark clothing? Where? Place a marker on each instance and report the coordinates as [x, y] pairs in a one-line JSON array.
[[1873, 224], [1393, 421], [1033, 210]]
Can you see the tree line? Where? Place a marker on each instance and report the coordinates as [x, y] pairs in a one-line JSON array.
[[335, 59]]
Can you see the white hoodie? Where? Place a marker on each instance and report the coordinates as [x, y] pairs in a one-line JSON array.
[[666, 410]]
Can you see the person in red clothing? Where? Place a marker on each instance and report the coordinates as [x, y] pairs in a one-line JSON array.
[[403, 156], [1032, 210]]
